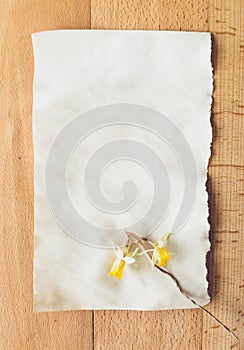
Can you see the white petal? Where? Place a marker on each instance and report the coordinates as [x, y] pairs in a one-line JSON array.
[[155, 256], [119, 253], [128, 260], [161, 242]]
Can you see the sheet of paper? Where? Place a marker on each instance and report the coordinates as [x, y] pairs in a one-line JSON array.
[[122, 135]]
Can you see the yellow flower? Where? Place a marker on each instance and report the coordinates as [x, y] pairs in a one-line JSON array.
[[160, 254], [119, 263], [117, 268]]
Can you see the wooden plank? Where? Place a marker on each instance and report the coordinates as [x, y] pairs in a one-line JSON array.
[[178, 329], [225, 21], [20, 327]]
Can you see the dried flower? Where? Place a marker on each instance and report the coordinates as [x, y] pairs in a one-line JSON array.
[[160, 254], [123, 258]]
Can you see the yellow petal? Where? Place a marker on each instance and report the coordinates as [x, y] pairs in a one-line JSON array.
[[162, 256], [117, 268]]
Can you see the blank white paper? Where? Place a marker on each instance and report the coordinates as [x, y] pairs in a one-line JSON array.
[[148, 84]]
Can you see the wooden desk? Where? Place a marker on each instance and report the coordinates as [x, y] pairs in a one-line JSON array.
[[115, 330]]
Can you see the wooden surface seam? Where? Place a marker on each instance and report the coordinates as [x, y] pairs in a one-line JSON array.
[[121, 330]]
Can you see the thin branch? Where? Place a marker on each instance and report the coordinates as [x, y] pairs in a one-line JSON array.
[[144, 245]]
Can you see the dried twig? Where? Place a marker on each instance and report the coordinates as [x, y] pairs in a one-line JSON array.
[[143, 244]]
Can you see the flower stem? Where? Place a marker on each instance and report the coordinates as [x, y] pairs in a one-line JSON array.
[[145, 245]]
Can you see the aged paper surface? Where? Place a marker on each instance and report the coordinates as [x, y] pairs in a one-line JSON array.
[[142, 95]]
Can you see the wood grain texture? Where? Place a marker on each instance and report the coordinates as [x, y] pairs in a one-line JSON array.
[[174, 330], [189, 329], [20, 328]]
